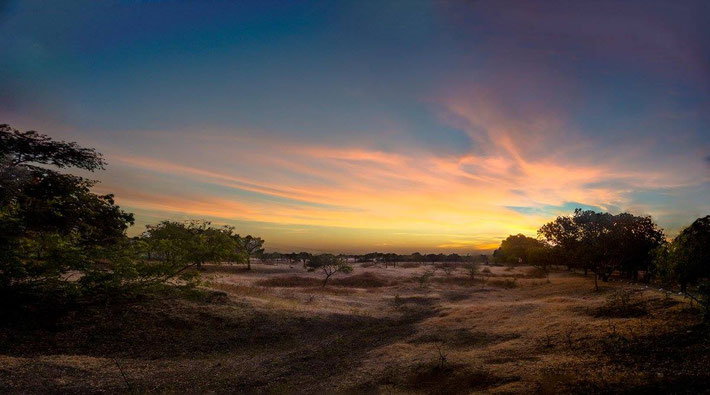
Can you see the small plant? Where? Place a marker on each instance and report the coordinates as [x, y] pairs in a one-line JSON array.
[[442, 357], [548, 341], [568, 336], [472, 270], [623, 304], [397, 300], [423, 278]]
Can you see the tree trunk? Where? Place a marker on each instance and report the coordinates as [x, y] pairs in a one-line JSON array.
[[596, 282], [248, 262]]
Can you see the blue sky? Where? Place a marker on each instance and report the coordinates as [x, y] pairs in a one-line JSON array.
[[354, 126]]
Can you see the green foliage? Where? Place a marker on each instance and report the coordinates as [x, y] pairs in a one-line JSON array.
[[192, 243], [53, 229], [57, 236]]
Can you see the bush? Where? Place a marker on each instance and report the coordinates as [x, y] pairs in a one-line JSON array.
[[622, 303], [410, 265], [364, 280]]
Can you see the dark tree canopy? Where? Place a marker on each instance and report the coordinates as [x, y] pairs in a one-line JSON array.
[[690, 253], [50, 222], [24, 148], [517, 249], [603, 242]]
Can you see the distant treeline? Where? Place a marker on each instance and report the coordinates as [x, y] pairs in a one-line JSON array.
[[385, 257]]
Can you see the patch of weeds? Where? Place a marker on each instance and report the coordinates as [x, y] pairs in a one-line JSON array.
[[410, 265], [433, 378], [455, 296], [364, 280], [423, 278], [503, 283], [463, 338], [622, 303]]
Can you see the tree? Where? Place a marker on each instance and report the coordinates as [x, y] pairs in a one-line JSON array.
[[603, 242], [191, 243], [51, 224], [515, 249], [690, 253], [329, 264], [541, 257], [252, 246]]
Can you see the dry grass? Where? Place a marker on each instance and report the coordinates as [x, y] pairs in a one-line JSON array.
[[289, 281], [274, 329], [363, 280]]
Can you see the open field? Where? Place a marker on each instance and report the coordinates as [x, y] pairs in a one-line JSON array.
[[274, 329]]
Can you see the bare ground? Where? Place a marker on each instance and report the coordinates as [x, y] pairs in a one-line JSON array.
[[276, 330]]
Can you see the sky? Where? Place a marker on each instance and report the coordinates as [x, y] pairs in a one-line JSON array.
[[353, 126]]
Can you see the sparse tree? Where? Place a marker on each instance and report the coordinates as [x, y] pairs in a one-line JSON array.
[[329, 264], [252, 247]]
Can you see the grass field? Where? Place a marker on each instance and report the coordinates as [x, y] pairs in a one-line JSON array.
[[274, 329]]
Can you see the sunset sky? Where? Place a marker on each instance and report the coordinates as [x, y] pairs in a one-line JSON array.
[[432, 126]]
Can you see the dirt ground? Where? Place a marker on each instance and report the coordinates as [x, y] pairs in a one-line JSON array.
[[274, 329]]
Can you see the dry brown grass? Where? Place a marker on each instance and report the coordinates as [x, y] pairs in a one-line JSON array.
[[289, 281], [363, 280], [374, 332]]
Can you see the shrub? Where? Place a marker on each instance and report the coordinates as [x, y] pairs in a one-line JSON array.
[[364, 280], [410, 265], [622, 303], [423, 278]]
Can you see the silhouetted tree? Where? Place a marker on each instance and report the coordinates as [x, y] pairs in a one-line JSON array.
[[515, 249], [329, 264], [603, 242], [252, 246], [689, 253]]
